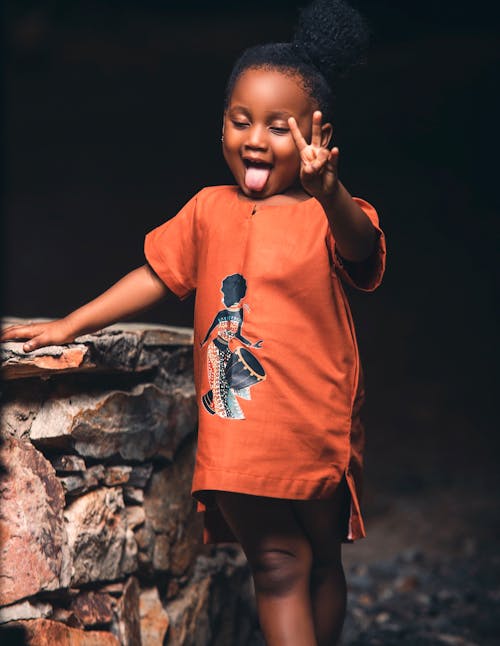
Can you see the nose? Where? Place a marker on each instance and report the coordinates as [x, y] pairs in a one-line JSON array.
[[256, 137]]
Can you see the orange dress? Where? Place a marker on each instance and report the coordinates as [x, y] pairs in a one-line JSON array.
[[276, 364]]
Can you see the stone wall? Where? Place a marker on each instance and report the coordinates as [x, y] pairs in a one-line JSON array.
[[100, 539]]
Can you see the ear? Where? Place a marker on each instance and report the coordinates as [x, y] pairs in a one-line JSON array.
[[326, 134], [223, 121]]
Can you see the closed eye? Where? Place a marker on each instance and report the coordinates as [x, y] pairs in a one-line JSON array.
[[240, 124], [279, 131]]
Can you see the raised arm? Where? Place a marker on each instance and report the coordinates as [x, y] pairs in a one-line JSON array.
[[135, 292], [353, 232]]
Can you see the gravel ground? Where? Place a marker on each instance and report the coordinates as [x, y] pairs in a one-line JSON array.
[[421, 600]]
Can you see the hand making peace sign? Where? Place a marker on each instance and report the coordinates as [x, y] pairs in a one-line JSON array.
[[318, 168]]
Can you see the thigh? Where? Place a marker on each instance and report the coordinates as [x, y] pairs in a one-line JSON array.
[[264, 525], [324, 522]]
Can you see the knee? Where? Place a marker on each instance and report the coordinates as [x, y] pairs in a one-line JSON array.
[[277, 572]]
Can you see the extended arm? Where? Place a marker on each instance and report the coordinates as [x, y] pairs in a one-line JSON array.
[[137, 291]]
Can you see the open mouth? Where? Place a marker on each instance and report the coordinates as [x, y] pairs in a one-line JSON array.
[[256, 174]]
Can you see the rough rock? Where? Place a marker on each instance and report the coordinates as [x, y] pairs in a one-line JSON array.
[[67, 617], [161, 553], [135, 516], [123, 347], [93, 608], [133, 495], [137, 424], [189, 615], [77, 484], [44, 632], [127, 625], [25, 610], [114, 589], [117, 475], [233, 615], [17, 364], [19, 410], [129, 562], [154, 619], [96, 525], [171, 511], [139, 477], [68, 463], [34, 555]]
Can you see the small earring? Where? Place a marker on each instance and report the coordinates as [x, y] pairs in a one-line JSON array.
[[222, 138]]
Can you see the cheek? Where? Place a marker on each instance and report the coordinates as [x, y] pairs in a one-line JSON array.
[[289, 153]]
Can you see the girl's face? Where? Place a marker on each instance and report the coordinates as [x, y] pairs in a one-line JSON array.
[[258, 145]]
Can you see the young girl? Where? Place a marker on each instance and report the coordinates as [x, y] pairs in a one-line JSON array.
[[277, 374]]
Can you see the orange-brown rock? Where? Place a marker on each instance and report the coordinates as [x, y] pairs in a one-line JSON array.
[[154, 619], [34, 555], [93, 608], [44, 632], [128, 625]]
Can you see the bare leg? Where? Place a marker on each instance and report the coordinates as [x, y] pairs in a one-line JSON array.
[[279, 555], [322, 521]]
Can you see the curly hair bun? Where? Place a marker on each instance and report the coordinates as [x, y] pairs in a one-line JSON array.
[[332, 36]]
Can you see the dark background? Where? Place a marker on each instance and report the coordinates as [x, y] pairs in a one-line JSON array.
[[112, 121]]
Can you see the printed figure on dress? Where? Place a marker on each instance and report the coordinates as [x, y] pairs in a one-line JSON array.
[[231, 373]]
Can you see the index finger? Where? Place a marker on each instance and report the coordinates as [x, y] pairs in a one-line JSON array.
[[299, 140], [17, 332]]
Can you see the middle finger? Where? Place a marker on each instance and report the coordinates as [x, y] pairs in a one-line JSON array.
[[316, 129]]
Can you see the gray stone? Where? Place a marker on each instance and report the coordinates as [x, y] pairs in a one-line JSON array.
[[172, 513], [19, 409], [161, 553], [136, 424], [133, 495], [189, 615], [77, 484], [34, 555], [96, 525], [140, 475], [25, 610]]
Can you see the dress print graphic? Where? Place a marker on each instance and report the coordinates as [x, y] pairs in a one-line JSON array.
[[232, 371]]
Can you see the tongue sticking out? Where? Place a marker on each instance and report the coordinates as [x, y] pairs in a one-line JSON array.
[[256, 177]]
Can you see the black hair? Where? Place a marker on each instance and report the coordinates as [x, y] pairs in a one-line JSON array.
[[331, 38], [234, 288]]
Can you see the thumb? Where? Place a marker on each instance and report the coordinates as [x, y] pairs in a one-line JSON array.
[[35, 343]]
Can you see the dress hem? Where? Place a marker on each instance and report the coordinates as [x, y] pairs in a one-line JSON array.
[[216, 530]]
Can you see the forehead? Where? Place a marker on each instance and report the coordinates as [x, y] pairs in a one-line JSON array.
[[271, 91]]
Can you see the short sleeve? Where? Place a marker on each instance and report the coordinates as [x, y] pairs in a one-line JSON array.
[[171, 250], [367, 274]]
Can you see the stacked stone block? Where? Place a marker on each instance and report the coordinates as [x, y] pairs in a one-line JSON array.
[[100, 539]]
